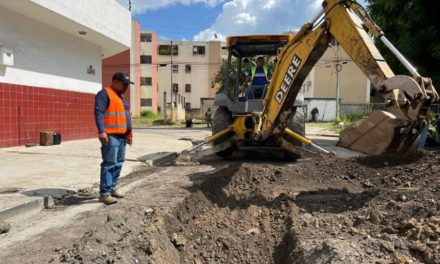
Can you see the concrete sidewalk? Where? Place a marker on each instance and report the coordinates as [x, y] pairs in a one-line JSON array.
[[73, 165]]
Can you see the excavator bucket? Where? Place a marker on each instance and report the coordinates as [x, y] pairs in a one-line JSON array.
[[373, 135]]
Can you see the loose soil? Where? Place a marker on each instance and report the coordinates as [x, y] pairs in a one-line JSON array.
[[379, 209]]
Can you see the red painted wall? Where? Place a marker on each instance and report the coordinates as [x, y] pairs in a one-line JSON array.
[[117, 63], [69, 113]]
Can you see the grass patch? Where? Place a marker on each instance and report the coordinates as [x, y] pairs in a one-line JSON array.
[[150, 115], [149, 118], [337, 125], [329, 126]]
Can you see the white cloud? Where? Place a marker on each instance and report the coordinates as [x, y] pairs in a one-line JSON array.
[[269, 4], [141, 6], [260, 17], [209, 34], [245, 18]]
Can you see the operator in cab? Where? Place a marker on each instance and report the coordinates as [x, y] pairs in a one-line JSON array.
[[260, 76]]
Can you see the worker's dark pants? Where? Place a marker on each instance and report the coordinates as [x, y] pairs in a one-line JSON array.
[[423, 137], [113, 156]]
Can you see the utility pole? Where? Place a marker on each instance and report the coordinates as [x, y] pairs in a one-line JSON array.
[[338, 69], [172, 88], [338, 66]]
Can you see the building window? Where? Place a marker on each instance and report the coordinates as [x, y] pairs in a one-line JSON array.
[[187, 88], [198, 50], [145, 37], [146, 81], [224, 51], [188, 68], [165, 50], [175, 68], [175, 88], [145, 59], [146, 102], [188, 106]]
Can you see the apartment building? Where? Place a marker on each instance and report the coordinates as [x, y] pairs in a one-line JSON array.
[[319, 88], [354, 86], [148, 69], [191, 67]]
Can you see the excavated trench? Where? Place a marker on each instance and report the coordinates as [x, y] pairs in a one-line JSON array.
[[383, 209], [252, 213]]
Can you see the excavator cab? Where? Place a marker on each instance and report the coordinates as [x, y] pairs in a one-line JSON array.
[[240, 98], [239, 95]]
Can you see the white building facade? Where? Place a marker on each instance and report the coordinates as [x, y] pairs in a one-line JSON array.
[[53, 68]]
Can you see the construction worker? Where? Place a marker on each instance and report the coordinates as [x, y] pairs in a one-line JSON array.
[[315, 114], [437, 126], [424, 133], [260, 76], [113, 120], [208, 117]]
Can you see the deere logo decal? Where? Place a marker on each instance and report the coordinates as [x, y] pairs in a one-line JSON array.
[[288, 79]]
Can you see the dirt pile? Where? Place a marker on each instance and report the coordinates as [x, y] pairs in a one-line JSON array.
[[382, 209]]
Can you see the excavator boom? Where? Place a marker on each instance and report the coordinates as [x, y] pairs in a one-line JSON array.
[[407, 98]]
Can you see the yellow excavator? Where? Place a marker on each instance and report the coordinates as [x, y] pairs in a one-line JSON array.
[[277, 120]]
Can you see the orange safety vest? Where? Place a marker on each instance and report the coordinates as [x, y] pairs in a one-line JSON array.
[[115, 121]]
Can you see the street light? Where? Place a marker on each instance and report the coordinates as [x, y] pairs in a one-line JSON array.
[[172, 86], [338, 66]]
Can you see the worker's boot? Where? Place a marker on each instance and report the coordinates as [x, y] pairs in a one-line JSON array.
[[117, 194], [107, 199]]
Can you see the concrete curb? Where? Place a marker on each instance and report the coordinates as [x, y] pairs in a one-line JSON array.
[[32, 206], [159, 158]]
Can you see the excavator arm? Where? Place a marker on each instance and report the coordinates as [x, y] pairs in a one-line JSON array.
[[407, 98]]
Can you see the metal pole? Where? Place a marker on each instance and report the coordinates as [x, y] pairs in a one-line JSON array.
[[226, 80], [400, 57], [171, 77], [338, 69], [165, 105], [237, 81]]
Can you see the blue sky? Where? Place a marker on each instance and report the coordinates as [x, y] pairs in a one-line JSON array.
[[179, 21], [205, 19]]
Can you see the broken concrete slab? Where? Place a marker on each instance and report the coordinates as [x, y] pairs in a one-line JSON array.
[[48, 202], [4, 227]]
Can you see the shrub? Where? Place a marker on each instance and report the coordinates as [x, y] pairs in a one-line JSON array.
[[150, 115]]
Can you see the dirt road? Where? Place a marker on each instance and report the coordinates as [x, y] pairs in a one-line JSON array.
[[360, 210]]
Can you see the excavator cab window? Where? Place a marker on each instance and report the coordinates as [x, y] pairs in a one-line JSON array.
[[245, 50]]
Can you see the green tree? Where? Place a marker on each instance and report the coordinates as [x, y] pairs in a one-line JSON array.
[[219, 78], [413, 26]]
